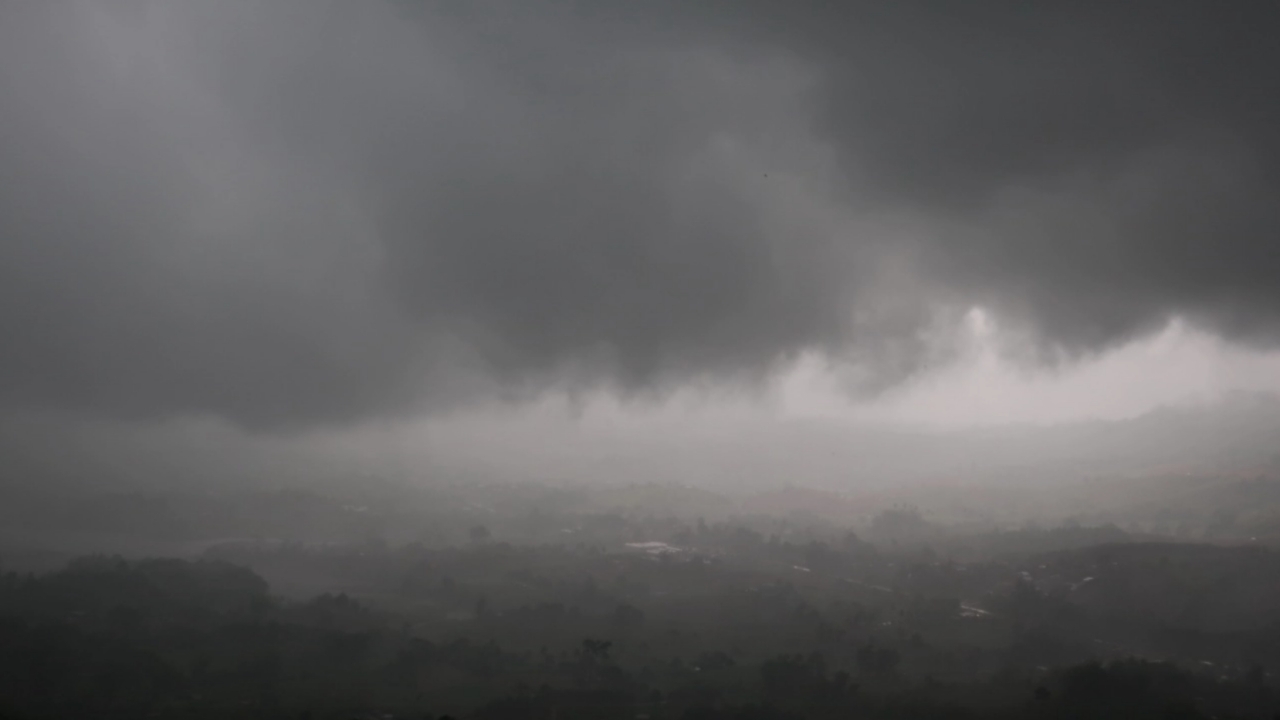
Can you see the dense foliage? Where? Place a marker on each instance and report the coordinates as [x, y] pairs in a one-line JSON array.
[[495, 602], [106, 637]]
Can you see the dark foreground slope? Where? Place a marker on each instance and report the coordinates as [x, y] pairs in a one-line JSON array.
[[494, 631]]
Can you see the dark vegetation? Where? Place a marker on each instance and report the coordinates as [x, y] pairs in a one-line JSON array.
[[636, 602]]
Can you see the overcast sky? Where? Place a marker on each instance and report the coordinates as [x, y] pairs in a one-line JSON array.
[[319, 214]]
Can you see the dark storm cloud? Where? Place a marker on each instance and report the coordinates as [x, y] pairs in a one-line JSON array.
[[1094, 166], [294, 212]]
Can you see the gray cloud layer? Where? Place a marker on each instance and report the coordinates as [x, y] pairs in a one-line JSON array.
[[286, 212]]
